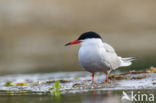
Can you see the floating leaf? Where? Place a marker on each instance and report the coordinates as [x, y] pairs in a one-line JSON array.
[[21, 84], [8, 83]]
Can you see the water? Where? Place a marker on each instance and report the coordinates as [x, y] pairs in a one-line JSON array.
[[89, 97], [76, 86], [97, 96]]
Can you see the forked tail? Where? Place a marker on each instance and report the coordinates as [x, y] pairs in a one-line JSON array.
[[126, 61]]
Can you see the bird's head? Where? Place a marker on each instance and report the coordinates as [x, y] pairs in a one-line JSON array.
[[84, 37]]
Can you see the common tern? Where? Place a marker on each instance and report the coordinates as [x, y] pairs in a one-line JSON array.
[[97, 56]]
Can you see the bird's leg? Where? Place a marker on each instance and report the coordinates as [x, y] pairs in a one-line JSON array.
[[107, 77], [93, 82]]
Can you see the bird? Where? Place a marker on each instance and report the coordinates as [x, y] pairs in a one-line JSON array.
[[97, 56]]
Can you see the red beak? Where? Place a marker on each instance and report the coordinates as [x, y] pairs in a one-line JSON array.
[[73, 42]]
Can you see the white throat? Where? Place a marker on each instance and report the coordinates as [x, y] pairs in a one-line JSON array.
[[92, 42]]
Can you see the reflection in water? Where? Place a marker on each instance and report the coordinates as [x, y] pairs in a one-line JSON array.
[[101, 97], [94, 96], [56, 93]]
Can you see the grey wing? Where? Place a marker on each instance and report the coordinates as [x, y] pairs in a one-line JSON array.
[[111, 57], [108, 48]]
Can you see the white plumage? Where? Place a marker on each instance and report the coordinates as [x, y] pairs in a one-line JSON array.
[[96, 56]]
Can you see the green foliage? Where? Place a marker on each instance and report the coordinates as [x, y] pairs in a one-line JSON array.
[[56, 85], [55, 90], [8, 83]]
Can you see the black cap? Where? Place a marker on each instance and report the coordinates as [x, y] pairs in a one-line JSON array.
[[88, 35]]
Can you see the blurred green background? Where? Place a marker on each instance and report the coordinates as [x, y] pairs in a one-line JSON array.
[[33, 32]]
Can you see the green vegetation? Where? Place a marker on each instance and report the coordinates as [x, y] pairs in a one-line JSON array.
[[55, 90], [56, 85], [8, 83]]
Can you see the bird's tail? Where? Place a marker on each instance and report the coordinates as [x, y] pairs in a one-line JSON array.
[[126, 61]]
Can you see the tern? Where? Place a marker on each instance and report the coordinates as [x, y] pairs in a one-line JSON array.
[[97, 56]]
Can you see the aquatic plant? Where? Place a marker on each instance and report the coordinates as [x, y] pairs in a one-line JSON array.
[[8, 83], [56, 85], [21, 84], [55, 90]]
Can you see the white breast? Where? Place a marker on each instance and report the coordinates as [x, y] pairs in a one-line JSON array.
[[93, 56]]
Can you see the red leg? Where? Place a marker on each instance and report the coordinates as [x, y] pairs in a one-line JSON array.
[[107, 77], [93, 82]]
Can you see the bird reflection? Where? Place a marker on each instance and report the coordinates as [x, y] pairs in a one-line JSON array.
[[96, 96]]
